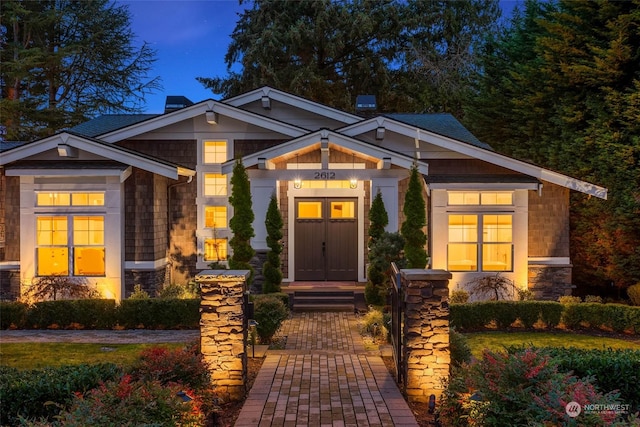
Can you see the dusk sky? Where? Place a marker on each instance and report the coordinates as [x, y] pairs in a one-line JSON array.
[[191, 39]]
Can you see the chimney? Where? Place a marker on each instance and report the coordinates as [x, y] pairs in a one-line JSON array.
[[366, 105], [174, 103]]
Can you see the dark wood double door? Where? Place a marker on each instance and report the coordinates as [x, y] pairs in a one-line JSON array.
[[326, 239]]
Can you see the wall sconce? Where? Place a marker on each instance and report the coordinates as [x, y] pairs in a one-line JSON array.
[[380, 133], [297, 182], [65, 150], [353, 183], [262, 163], [212, 117], [266, 102]]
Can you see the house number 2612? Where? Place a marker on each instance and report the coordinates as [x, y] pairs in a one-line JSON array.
[[324, 175]]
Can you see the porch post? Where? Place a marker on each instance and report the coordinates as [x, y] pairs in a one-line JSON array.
[[426, 332], [223, 330]]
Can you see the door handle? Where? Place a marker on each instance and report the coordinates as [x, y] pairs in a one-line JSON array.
[[324, 246]]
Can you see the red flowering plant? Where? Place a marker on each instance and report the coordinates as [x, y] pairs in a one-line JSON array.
[[524, 388], [130, 402]]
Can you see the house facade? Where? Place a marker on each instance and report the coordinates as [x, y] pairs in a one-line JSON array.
[[124, 200]]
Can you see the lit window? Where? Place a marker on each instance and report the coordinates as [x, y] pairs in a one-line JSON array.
[[53, 251], [69, 199], [215, 216], [215, 151], [494, 245], [475, 198], [344, 210], [215, 184], [215, 249], [310, 210]]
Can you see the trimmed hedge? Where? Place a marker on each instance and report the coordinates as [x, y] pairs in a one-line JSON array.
[[159, 313], [103, 314], [478, 315]]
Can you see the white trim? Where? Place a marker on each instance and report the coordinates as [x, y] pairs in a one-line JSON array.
[[294, 101], [9, 265], [146, 265], [200, 109], [475, 152]]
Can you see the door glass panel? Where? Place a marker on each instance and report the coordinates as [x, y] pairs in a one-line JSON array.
[[343, 210], [310, 210]]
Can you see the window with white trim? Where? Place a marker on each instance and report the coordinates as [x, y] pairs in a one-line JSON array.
[[215, 217], [214, 152], [70, 243], [215, 184], [480, 239], [215, 249]]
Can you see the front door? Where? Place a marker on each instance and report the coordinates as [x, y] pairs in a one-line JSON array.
[[326, 239]]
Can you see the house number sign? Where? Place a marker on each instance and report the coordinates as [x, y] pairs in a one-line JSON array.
[[324, 175]]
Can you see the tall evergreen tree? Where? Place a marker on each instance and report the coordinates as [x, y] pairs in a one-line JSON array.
[[241, 223], [415, 220], [566, 77], [378, 219], [65, 61], [271, 269], [414, 55]]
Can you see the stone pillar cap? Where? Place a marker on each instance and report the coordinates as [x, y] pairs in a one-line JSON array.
[[225, 275], [415, 274]]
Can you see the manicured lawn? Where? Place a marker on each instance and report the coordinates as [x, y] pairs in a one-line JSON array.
[[499, 340], [40, 355]]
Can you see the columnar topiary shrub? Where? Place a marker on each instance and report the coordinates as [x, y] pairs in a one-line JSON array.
[[415, 219], [271, 269], [378, 219], [387, 249], [242, 220]]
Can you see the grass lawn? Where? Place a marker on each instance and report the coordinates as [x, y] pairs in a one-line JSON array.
[[498, 340], [40, 355]]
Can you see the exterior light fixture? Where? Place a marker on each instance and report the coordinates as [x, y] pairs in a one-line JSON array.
[[380, 133], [211, 117], [353, 183], [297, 182], [266, 102]]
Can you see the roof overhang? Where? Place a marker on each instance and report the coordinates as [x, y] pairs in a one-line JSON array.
[[424, 136], [68, 145], [207, 109], [332, 140]]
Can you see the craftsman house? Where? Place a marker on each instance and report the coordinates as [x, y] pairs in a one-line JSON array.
[[143, 199]]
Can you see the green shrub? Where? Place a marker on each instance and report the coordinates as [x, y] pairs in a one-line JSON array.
[[189, 291], [269, 312], [525, 294], [459, 348], [467, 317], [550, 313], [282, 296], [12, 313], [26, 393], [568, 299], [373, 323], [83, 313], [156, 313], [127, 402], [504, 313], [459, 296], [634, 294], [139, 293], [610, 369], [571, 315], [528, 312], [519, 389]]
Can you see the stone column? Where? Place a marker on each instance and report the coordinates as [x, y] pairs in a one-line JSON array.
[[426, 332], [223, 331]]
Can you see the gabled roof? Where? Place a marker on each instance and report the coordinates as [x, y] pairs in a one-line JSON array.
[[312, 139], [69, 141], [109, 122], [443, 124], [424, 136], [293, 100]]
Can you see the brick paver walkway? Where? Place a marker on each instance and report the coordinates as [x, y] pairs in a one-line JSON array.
[[324, 377]]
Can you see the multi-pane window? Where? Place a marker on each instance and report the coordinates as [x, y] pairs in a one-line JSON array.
[[215, 249], [69, 199], [485, 237], [479, 239], [214, 152], [215, 184], [70, 243], [215, 216]]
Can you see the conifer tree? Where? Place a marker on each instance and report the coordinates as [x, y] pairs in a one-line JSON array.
[[271, 268], [241, 223], [415, 219], [378, 219]]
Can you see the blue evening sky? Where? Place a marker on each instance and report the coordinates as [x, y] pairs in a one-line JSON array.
[[191, 39]]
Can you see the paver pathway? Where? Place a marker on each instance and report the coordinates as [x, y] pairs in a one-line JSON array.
[[324, 377]]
